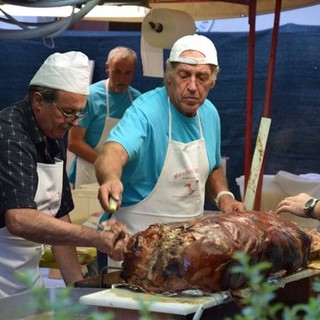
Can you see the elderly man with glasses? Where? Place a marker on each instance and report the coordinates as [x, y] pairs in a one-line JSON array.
[[35, 197]]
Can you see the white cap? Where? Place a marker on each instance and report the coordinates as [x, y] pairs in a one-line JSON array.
[[195, 43], [68, 71]]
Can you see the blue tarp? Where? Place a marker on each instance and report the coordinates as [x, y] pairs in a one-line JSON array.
[[294, 139]]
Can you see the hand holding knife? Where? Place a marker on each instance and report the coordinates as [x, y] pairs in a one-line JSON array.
[[113, 206]]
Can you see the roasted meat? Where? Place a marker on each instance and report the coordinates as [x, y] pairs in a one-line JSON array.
[[198, 254]]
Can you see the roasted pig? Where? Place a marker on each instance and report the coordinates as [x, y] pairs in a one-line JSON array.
[[198, 254]]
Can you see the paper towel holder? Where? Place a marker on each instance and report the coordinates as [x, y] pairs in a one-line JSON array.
[[156, 26], [161, 27]]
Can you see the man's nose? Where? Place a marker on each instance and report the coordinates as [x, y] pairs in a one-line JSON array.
[[192, 84]]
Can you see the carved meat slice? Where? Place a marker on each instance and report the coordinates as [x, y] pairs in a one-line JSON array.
[[198, 254]]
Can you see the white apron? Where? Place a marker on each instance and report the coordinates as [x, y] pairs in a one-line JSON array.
[[19, 254], [182, 180], [85, 171]]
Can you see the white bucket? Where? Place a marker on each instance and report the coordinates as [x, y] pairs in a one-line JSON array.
[[271, 195]]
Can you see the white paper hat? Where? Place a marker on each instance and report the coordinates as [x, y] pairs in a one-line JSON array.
[[195, 43], [68, 71]]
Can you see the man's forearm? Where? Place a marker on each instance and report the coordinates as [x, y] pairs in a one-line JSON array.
[[110, 162]]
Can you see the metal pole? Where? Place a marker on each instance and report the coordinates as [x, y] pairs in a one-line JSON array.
[[267, 105], [250, 87]]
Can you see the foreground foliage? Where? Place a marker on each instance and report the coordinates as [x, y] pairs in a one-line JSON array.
[[258, 305]]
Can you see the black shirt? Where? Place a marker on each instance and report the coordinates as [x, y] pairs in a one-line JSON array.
[[22, 145]]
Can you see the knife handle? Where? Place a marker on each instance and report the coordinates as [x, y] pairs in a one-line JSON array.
[[113, 205]]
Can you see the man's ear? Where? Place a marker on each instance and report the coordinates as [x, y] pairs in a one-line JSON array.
[[37, 100], [107, 68]]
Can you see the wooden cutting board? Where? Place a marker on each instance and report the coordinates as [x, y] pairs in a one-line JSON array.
[[127, 299]]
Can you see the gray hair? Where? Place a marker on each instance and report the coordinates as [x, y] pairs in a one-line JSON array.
[[48, 93], [123, 51]]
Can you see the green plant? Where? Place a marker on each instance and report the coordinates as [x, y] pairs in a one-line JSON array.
[[258, 304], [309, 311], [62, 308]]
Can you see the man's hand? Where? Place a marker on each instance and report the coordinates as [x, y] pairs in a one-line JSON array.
[[116, 238], [228, 204]]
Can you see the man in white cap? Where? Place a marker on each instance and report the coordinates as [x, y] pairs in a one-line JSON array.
[[35, 197], [163, 158]]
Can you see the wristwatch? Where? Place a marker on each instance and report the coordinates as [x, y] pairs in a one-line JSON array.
[[309, 206]]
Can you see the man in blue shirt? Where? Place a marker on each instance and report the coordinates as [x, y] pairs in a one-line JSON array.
[[107, 102], [163, 158]]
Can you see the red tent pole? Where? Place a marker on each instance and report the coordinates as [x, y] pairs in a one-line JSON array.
[[272, 61], [267, 105], [250, 86]]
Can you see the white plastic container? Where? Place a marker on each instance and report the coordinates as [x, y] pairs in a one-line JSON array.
[[86, 204], [272, 193]]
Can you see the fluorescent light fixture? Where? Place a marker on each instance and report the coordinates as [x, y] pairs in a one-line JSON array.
[[21, 11], [120, 13]]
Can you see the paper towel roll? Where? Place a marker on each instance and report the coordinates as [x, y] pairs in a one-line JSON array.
[[162, 27], [152, 59]]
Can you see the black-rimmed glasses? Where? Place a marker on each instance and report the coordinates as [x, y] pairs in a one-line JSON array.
[[69, 117]]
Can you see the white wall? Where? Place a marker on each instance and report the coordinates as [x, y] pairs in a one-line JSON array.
[[305, 16]]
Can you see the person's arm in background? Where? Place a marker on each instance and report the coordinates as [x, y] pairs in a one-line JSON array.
[[67, 261], [296, 205], [216, 186], [79, 147], [109, 165]]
